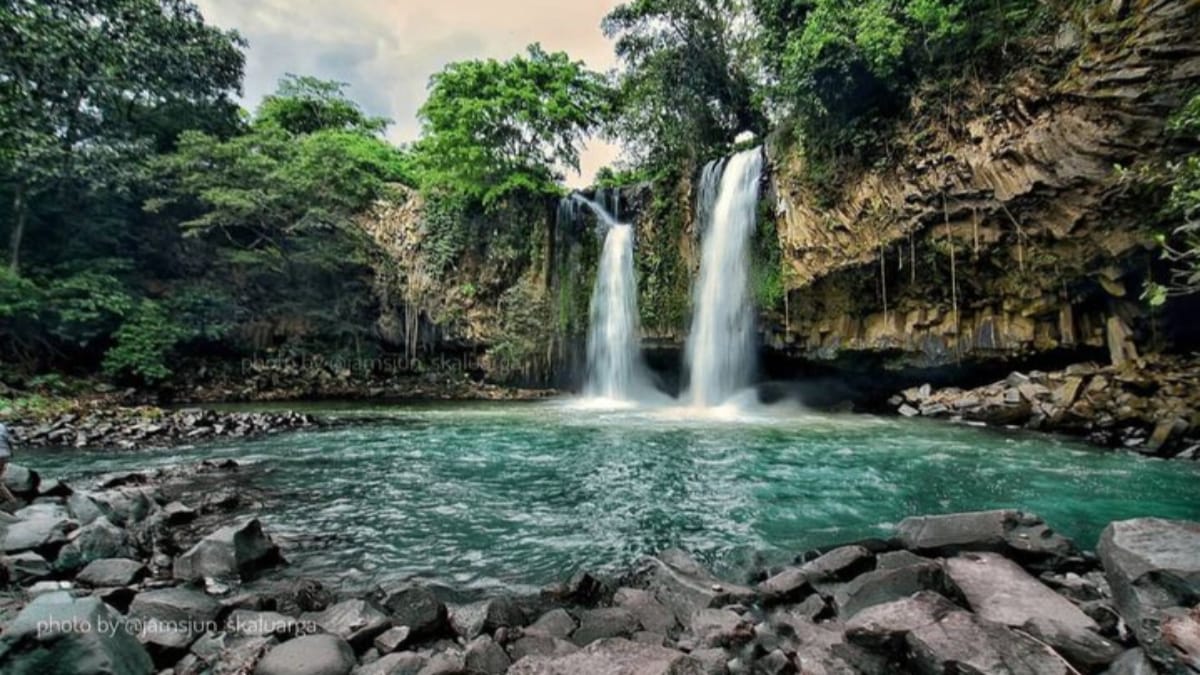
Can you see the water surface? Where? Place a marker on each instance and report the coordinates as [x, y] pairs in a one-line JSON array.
[[489, 495]]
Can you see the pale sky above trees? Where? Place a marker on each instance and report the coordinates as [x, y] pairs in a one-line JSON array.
[[387, 49]]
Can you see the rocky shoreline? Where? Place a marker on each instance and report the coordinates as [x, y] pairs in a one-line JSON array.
[[129, 578], [1151, 406]]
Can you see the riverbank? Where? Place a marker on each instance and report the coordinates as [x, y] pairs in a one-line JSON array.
[[1150, 405], [186, 579]]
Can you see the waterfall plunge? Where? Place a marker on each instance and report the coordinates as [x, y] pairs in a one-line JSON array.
[[614, 368], [720, 346]]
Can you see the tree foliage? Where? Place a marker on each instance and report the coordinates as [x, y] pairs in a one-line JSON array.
[[493, 128]]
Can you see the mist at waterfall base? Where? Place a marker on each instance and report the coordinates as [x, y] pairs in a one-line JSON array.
[[719, 360]]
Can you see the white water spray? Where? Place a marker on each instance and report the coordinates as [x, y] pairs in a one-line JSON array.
[[720, 346]]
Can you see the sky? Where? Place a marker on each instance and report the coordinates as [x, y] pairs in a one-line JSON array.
[[387, 49]]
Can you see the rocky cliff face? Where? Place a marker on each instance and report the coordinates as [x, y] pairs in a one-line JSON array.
[[1001, 227]]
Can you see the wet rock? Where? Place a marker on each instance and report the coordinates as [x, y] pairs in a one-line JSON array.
[[606, 622], [308, 655], [419, 609], [403, 663], [558, 623], [1153, 567], [614, 656], [684, 586], [46, 637], [26, 568], [884, 626], [1020, 534], [540, 645], [961, 642], [357, 622], [650, 613], [172, 618], [237, 551], [392, 639], [880, 586], [94, 541], [111, 572], [485, 657]]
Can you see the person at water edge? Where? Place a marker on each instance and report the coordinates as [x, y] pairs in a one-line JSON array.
[[6, 498]]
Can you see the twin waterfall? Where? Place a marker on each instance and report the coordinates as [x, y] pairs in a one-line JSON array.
[[720, 357]]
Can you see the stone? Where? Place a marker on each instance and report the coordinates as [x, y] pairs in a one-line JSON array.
[[712, 661], [606, 622], [27, 567], [419, 609], [1132, 662], [1152, 566], [251, 623], [57, 633], [557, 623], [1085, 649], [1021, 535], [178, 513], [94, 541], [42, 531], [650, 613], [789, 585], [392, 639], [998, 590], [776, 663], [614, 656], [172, 618], [1181, 634], [684, 586], [21, 481], [963, 643], [540, 645], [485, 657], [840, 564], [357, 622], [236, 551], [880, 586], [891, 560], [402, 663], [884, 626], [309, 655], [720, 628], [111, 572], [908, 411]]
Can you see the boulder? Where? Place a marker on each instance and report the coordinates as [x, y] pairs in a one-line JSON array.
[[485, 657], [884, 626], [172, 618], [43, 530], [1087, 650], [63, 635], [887, 585], [391, 639], [309, 655], [789, 585], [234, 552], [540, 645], [1132, 662], [840, 564], [111, 572], [998, 590], [26, 568], [615, 656], [1021, 535], [963, 643], [720, 628], [357, 622], [558, 623], [94, 541], [684, 586], [402, 663], [21, 481], [251, 623], [650, 613], [419, 609], [1153, 567], [606, 622]]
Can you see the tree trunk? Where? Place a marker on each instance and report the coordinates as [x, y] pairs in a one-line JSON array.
[[18, 231]]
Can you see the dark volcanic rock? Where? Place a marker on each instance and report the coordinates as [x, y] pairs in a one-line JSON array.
[[308, 655], [48, 637], [615, 656], [1153, 567], [237, 551]]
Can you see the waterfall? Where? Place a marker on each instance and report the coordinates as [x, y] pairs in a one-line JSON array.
[[720, 346], [614, 369]]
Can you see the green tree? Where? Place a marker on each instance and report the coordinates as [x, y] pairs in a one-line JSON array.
[[685, 87], [492, 128], [84, 85]]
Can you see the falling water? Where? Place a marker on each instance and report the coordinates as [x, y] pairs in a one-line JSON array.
[[720, 347], [614, 369]]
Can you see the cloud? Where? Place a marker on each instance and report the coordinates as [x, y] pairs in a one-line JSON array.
[[386, 50]]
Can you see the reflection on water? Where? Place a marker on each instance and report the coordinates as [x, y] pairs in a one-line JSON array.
[[499, 495]]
